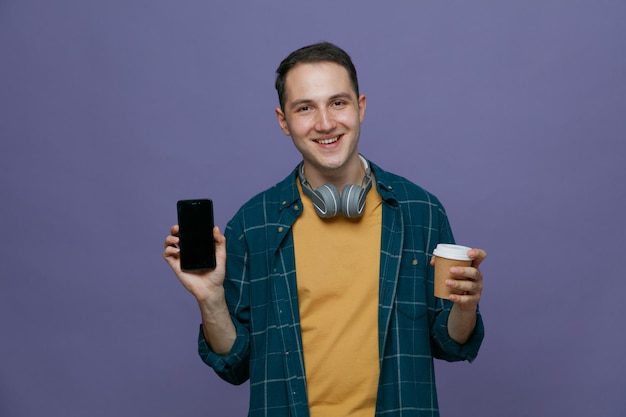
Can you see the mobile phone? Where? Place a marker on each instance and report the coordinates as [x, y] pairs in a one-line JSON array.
[[197, 246]]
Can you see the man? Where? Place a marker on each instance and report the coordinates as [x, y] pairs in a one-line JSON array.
[[323, 292]]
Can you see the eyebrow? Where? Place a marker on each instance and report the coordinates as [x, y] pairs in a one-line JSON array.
[[344, 96]]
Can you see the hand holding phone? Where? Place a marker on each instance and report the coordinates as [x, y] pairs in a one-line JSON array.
[[197, 245]]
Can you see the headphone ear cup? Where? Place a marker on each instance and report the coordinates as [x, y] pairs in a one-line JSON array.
[[331, 200], [352, 203]]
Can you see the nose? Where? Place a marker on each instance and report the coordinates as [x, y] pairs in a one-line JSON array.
[[325, 121]]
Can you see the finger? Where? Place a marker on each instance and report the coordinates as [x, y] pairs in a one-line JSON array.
[[174, 230], [218, 236], [220, 244], [465, 285], [171, 251], [477, 255], [172, 241], [464, 299], [466, 272], [171, 255]]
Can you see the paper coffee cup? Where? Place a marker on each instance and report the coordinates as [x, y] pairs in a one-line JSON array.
[[447, 256]]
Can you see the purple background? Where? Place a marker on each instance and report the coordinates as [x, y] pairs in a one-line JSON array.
[[513, 113]]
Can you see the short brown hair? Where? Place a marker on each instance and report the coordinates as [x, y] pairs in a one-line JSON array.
[[315, 53]]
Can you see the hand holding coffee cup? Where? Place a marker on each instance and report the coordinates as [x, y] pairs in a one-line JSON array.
[[446, 257]]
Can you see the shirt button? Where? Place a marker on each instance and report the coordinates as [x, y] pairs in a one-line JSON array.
[[296, 207], [280, 229], [389, 187], [284, 203], [415, 262]]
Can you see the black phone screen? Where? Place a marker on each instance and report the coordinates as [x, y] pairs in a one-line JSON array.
[[197, 246]]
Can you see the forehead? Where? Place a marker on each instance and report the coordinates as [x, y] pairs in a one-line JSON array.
[[311, 80]]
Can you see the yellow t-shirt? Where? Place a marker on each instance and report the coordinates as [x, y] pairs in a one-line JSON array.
[[337, 264]]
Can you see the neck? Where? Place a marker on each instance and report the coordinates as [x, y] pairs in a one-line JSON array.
[[351, 173]]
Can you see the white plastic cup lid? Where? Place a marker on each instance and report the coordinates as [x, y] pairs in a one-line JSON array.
[[457, 252]]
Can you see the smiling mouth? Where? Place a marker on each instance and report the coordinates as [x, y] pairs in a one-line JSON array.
[[328, 141]]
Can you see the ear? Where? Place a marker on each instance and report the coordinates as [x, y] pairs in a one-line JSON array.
[[282, 121], [362, 105]]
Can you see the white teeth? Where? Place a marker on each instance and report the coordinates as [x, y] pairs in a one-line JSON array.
[[328, 141]]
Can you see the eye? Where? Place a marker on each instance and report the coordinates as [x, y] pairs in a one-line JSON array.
[[303, 108], [338, 103]]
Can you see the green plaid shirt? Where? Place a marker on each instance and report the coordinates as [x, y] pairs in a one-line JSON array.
[[262, 297]]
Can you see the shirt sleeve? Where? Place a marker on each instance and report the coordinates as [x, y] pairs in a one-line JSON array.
[[232, 367], [446, 348]]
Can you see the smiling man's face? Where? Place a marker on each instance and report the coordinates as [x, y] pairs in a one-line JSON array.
[[323, 116]]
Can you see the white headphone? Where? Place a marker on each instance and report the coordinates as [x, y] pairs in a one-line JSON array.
[[327, 200]]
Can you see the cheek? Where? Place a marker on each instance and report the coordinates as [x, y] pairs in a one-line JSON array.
[[352, 119], [299, 128]]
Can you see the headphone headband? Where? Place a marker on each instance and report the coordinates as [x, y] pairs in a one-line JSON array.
[[327, 200]]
